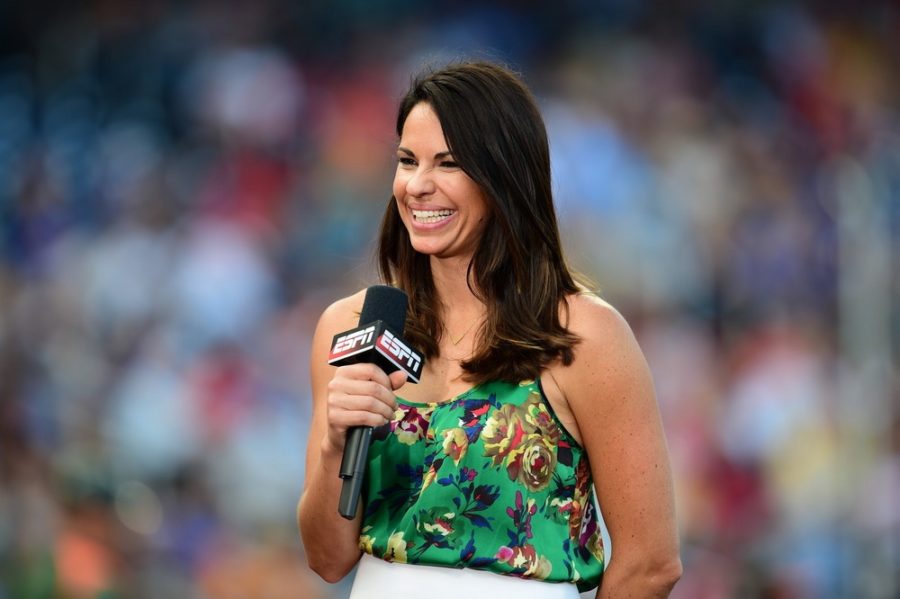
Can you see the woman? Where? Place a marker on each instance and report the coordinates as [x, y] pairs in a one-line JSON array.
[[533, 387]]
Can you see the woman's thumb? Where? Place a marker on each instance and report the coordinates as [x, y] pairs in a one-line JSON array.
[[398, 379]]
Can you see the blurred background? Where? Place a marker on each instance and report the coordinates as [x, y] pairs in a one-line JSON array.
[[185, 185]]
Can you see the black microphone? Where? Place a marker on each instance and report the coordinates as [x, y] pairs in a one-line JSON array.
[[377, 341]]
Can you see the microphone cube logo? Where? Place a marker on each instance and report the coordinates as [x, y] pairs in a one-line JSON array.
[[404, 356], [351, 343], [376, 343]]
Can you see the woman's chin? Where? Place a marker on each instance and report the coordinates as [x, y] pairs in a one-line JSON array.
[[429, 249], [437, 251]]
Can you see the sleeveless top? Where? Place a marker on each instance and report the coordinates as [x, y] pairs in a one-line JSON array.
[[489, 480]]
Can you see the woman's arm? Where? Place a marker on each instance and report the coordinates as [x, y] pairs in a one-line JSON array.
[[360, 394], [610, 392]]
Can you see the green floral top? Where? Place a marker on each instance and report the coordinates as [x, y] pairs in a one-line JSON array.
[[487, 480]]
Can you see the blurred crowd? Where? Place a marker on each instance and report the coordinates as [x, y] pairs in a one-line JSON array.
[[185, 186]]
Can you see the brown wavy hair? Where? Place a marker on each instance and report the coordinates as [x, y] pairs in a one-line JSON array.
[[496, 134]]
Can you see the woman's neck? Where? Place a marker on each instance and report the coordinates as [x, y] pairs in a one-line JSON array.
[[452, 287]]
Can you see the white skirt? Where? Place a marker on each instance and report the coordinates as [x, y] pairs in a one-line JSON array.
[[378, 579]]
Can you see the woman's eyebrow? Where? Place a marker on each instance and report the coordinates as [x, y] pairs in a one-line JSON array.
[[438, 156]]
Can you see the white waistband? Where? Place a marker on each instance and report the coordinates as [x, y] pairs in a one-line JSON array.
[[378, 579]]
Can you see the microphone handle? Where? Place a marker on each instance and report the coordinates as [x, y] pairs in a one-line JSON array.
[[353, 469], [351, 449]]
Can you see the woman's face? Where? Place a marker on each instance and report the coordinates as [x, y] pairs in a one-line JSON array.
[[443, 209]]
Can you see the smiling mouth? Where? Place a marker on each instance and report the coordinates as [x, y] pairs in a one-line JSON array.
[[431, 216]]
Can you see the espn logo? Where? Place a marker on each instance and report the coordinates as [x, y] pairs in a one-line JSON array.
[[401, 353], [352, 342]]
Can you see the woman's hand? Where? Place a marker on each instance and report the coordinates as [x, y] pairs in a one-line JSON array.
[[359, 395]]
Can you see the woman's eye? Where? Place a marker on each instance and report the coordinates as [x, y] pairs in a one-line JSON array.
[[406, 161], [449, 164]]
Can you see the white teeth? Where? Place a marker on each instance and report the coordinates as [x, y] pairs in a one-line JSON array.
[[431, 216]]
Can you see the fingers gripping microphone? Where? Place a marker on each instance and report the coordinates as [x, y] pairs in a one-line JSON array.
[[377, 341]]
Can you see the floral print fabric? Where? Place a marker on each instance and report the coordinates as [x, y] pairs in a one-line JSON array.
[[487, 480]]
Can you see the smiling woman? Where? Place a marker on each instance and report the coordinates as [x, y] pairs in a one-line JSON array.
[[534, 398], [488, 121], [443, 209]]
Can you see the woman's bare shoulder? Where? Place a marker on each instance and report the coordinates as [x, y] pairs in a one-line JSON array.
[[590, 317], [607, 349], [343, 313]]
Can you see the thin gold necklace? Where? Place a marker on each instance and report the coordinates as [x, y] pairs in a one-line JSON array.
[[461, 337]]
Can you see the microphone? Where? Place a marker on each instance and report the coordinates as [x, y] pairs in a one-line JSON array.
[[377, 341]]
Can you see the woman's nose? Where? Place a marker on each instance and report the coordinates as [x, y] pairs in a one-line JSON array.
[[420, 183]]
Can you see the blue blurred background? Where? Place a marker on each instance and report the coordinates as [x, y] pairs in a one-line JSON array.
[[185, 185]]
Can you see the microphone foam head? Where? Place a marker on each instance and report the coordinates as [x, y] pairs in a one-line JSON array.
[[387, 304]]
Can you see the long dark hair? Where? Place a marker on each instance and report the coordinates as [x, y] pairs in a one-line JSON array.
[[495, 132]]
